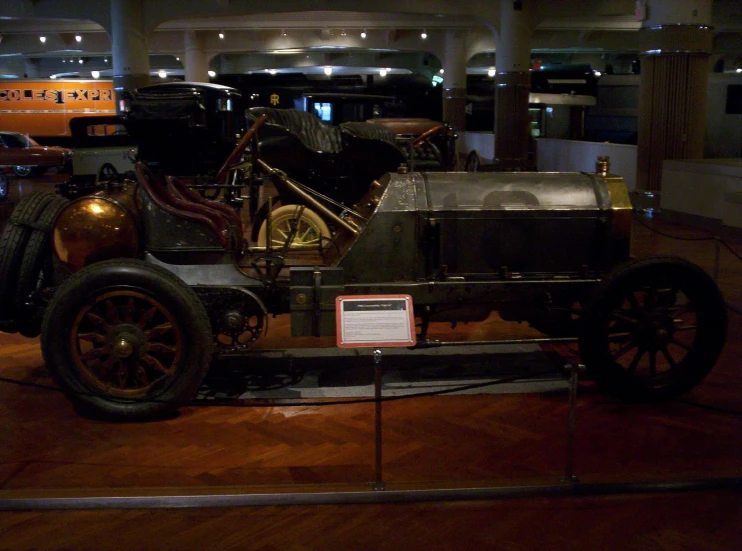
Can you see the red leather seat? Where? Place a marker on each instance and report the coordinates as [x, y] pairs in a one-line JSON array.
[[166, 195]]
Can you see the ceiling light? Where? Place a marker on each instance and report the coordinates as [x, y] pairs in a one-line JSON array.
[[739, 70], [43, 39], [95, 74], [328, 71], [221, 35], [441, 71], [363, 34], [64, 61], [78, 38], [80, 61], [382, 72], [53, 77], [162, 73], [105, 60], [342, 32], [212, 74], [491, 72], [271, 71], [283, 32], [177, 59], [424, 34]]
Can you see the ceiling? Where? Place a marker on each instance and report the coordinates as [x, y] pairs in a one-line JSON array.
[[307, 35]]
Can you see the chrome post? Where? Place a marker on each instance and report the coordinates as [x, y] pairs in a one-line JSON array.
[[574, 371], [378, 478]]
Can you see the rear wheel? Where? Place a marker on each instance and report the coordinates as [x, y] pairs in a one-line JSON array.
[[311, 230], [654, 329], [127, 340]]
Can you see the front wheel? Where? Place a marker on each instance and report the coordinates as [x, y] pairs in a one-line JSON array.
[[127, 340], [654, 329]]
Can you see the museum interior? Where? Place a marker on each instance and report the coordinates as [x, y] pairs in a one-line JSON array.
[[326, 274]]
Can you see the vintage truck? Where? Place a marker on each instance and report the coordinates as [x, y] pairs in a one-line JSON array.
[[145, 282]]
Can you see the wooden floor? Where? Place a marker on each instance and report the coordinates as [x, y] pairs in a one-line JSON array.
[[47, 449]]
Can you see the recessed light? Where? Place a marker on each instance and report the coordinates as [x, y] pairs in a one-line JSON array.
[[42, 39]]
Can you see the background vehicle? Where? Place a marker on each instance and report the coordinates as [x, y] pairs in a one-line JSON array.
[[102, 149], [26, 157], [43, 109], [3, 186]]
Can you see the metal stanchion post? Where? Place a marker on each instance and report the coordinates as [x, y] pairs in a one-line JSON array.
[[574, 374], [717, 255], [378, 373]]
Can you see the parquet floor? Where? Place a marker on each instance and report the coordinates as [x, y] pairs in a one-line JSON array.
[[46, 448]]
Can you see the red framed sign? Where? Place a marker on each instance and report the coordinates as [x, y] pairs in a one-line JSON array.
[[375, 321]]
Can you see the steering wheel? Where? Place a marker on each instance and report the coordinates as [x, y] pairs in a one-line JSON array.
[[239, 149], [428, 135]]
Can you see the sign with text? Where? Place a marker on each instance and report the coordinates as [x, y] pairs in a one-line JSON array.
[[375, 321]]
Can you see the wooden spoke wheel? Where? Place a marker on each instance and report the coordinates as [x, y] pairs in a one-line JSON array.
[[126, 343], [127, 339], [310, 228], [654, 329]]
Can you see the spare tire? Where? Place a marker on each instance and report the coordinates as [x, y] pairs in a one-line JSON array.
[[35, 271], [13, 246]]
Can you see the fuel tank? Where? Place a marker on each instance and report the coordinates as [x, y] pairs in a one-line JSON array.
[[468, 225], [97, 227]]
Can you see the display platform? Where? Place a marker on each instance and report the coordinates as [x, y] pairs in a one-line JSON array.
[[347, 373]]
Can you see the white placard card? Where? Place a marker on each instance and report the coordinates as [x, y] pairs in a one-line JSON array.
[[375, 321]]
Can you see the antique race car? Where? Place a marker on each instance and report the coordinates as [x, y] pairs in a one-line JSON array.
[[147, 281]]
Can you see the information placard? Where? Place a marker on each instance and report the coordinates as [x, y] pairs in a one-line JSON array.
[[375, 321]]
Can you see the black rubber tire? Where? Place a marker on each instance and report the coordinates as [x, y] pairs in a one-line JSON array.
[[22, 171], [473, 162], [71, 315], [35, 269], [105, 173], [13, 246], [648, 335]]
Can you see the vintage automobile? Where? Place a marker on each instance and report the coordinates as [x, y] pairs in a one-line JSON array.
[[147, 281], [28, 158], [101, 150]]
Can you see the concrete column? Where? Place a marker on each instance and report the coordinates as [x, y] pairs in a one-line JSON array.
[[32, 68], [129, 47], [675, 44], [454, 79], [512, 85], [196, 64]]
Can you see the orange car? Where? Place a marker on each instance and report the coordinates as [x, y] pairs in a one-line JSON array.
[[26, 157]]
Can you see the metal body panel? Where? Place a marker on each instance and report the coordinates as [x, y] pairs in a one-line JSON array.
[[513, 191], [167, 232], [483, 225], [390, 247], [222, 271]]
